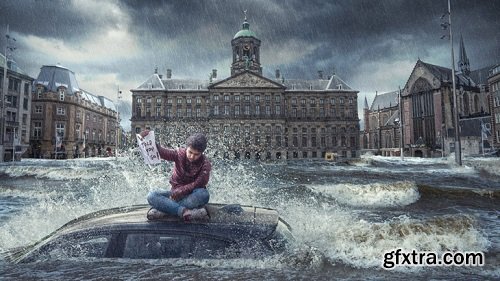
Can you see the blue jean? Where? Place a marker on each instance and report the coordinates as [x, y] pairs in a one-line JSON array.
[[161, 201]]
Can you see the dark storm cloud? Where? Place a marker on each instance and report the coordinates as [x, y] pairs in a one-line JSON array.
[[51, 18], [372, 45]]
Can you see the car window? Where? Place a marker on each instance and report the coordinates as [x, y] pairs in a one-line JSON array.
[[163, 246], [84, 246]]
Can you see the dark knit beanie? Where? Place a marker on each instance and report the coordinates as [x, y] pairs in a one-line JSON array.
[[197, 141]]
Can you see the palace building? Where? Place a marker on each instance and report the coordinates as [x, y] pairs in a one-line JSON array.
[[249, 116]]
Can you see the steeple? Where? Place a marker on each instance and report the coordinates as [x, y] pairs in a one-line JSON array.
[[463, 61], [366, 103]]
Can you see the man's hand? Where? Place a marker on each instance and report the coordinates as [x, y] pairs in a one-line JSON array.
[[176, 195], [144, 133]]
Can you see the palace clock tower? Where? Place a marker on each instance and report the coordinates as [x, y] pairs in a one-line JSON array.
[[246, 51]]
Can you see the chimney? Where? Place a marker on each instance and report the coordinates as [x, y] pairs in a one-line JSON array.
[[169, 73], [278, 74], [320, 74], [214, 73]]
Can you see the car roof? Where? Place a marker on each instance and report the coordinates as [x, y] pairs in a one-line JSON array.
[[221, 217]]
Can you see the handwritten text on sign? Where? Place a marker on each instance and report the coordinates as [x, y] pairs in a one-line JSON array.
[[147, 145]]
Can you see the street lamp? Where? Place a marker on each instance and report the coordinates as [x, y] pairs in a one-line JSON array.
[[118, 97], [458, 149], [400, 125]]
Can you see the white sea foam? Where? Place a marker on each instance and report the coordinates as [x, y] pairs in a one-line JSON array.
[[344, 237], [371, 195]]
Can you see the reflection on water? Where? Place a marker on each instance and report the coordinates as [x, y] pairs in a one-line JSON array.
[[352, 213]]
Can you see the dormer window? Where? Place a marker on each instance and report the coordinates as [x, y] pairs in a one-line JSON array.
[[61, 92], [39, 92]]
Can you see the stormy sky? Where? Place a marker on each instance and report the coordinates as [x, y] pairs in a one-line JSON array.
[[372, 45]]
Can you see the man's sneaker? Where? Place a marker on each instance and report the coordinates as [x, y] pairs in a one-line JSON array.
[[154, 214], [195, 214]]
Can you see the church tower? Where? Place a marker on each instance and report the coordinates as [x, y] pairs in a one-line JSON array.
[[463, 61], [246, 50]]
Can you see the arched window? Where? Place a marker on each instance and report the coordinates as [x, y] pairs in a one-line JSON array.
[[476, 104], [466, 104]]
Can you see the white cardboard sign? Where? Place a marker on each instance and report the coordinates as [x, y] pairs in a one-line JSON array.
[[147, 146]]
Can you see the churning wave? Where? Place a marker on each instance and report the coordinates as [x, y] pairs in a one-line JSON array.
[[371, 195]]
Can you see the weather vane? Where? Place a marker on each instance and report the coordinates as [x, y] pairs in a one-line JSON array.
[[245, 13]]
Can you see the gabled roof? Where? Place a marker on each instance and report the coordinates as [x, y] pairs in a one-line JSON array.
[[444, 74], [334, 83], [152, 83], [247, 79], [385, 100]]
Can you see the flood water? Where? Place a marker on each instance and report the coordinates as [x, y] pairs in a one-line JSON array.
[[352, 213]]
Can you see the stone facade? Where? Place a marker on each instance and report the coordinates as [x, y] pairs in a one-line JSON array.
[[381, 134], [494, 101], [16, 111]]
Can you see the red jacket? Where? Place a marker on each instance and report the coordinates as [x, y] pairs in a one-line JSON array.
[[187, 175]]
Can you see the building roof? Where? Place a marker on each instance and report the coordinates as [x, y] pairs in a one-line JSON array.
[[155, 82], [385, 100], [245, 31], [480, 76], [54, 76], [12, 65], [334, 83]]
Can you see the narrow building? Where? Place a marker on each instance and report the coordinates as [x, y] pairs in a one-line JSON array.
[[15, 113]]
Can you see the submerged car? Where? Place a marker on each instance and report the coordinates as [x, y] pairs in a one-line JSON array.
[[231, 231]]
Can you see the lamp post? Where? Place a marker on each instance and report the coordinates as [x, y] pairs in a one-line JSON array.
[[118, 97], [400, 125], [458, 148]]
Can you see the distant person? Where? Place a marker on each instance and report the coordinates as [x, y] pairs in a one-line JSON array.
[[189, 181]]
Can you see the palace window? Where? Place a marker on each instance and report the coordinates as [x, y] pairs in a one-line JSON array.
[[38, 109]]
